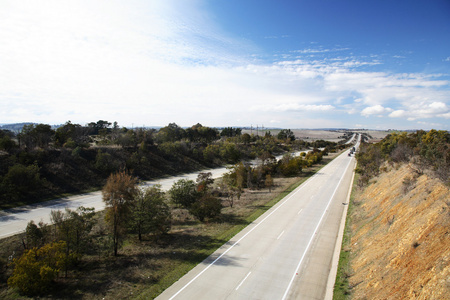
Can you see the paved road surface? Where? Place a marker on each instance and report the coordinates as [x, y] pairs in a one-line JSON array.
[[284, 254], [13, 221]]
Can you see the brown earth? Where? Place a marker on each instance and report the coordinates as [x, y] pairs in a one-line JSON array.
[[401, 237]]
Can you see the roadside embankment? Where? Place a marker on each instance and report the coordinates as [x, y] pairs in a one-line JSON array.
[[400, 244]]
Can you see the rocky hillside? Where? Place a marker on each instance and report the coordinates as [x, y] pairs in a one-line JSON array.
[[401, 237]]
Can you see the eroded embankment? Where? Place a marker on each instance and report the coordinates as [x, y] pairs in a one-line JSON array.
[[401, 238]]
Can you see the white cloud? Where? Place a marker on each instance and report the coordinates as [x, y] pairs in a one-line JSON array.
[[375, 110], [397, 113], [319, 50], [286, 107], [423, 111], [155, 62], [446, 115]]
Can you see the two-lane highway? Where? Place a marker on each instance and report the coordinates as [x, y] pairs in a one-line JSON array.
[[284, 254]]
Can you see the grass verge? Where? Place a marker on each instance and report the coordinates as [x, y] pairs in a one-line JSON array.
[[342, 288], [145, 268], [224, 236]]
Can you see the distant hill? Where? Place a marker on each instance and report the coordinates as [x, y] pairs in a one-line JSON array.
[[16, 127]]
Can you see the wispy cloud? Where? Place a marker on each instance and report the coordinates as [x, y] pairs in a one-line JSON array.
[[289, 107], [319, 50], [155, 62]]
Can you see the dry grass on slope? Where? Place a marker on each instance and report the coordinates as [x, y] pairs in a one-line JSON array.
[[401, 238]]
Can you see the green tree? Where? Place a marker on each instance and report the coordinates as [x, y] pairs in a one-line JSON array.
[[37, 268], [170, 133], [150, 212], [34, 235], [229, 152], [211, 152], [204, 181], [231, 132], [200, 133], [119, 194], [105, 162], [73, 227], [233, 182], [22, 182], [291, 166], [43, 134], [71, 135], [286, 135], [38, 135], [6, 141], [128, 139], [94, 128], [369, 159], [207, 206], [246, 138], [184, 193]]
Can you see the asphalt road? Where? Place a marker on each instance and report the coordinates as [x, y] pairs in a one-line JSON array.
[[14, 221], [284, 254]]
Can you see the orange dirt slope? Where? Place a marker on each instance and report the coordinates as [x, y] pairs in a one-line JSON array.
[[401, 238]]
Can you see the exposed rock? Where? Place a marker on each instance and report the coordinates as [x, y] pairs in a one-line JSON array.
[[401, 238]]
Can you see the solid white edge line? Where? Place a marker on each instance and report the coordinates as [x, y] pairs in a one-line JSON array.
[[314, 233], [337, 250], [232, 246]]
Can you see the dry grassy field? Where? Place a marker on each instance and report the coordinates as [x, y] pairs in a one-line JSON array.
[[332, 135]]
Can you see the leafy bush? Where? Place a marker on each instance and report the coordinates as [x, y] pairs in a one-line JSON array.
[[184, 193], [21, 182], [37, 268], [207, 206], [150, 212]]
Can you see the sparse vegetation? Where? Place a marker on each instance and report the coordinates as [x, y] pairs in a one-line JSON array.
[[146, 265], [422, 150], [393, 237]]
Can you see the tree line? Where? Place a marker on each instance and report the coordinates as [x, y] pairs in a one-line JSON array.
[[40, 162], [52, 251], [425, 151]]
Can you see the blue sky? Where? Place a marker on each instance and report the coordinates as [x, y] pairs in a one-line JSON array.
[[289, 64]]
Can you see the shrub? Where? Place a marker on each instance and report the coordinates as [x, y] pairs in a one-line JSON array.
[[184, 193], [207, 206], [37, 268]]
